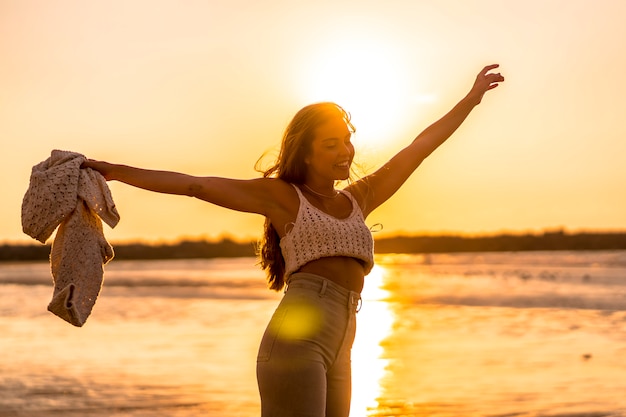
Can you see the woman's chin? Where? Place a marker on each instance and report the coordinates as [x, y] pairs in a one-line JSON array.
[[342, 174]]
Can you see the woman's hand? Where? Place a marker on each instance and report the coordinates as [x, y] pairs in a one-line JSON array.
[[104, 168], [485, 81]]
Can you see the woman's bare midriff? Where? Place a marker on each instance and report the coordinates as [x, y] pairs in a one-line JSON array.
[[342, 270]]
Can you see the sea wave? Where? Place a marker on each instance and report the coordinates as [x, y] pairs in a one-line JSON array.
[[605, 258], [605, 301]]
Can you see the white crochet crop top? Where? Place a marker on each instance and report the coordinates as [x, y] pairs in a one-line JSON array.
[[316, 235]]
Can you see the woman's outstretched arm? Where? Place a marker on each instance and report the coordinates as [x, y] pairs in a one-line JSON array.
[[152, 180], [382, 184], [252, 196]]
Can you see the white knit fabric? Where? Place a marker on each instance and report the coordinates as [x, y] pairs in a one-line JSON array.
[[61, 194], [316, 235]]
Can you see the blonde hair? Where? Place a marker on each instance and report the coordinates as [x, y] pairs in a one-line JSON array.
[[290, 167]]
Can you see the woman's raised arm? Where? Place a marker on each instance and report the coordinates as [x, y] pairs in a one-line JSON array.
[[382, 184]]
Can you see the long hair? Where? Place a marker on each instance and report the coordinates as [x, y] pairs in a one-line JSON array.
[[290, 167]]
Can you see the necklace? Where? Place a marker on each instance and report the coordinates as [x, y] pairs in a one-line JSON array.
[[320, 194]]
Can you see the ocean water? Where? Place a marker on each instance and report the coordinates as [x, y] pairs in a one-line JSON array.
[[483, 334]]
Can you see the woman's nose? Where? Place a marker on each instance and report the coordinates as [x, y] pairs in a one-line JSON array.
[[347, 149]]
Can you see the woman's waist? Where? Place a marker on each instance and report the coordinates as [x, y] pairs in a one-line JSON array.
[[344, 271]]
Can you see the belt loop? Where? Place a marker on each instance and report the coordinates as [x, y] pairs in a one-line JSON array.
[[286, 286], [323, 290], [355, 301]]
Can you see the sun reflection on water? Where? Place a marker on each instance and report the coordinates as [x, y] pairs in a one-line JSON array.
[[374, 325]]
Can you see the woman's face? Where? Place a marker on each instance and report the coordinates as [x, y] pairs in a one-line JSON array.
[[331, 151]]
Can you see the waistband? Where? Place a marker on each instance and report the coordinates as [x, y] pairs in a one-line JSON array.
[[325, 287]]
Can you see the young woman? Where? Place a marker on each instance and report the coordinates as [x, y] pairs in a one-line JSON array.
[[316, 244]]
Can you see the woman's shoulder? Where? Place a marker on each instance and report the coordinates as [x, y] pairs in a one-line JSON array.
[[282, 192], [278, 185], [360, 191]]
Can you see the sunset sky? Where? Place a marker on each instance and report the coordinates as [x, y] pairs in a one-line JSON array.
[[206, 87]]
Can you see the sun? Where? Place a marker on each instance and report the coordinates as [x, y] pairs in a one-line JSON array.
[[366, 77]]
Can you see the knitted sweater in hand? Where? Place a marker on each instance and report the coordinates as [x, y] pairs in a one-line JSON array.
[[63, 195]]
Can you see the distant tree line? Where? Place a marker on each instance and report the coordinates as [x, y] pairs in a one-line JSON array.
[[227, 248], [185, 249], [558, 240]]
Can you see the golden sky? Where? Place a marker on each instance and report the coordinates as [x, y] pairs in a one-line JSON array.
[[206, 87]]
